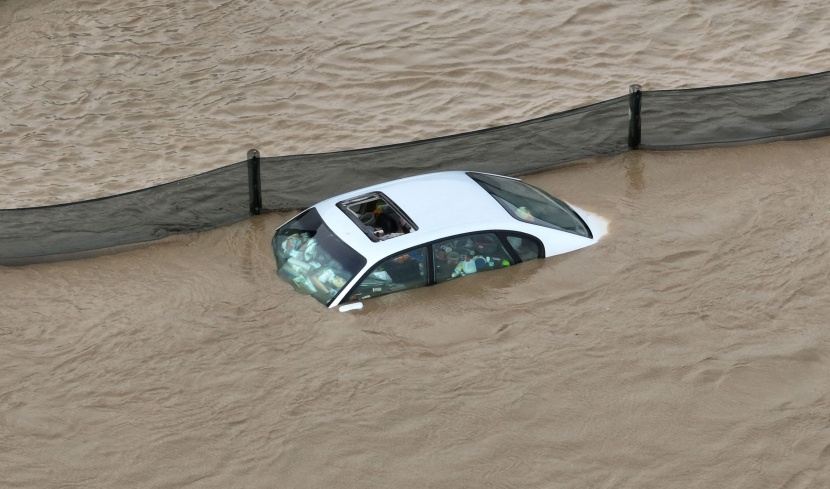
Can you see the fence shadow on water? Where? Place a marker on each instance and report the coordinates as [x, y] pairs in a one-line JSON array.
[[791, 108]]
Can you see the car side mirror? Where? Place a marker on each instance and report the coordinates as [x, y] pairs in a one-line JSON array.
[[354, 306]]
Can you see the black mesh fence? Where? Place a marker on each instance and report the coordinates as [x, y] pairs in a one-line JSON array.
[[197, 203], [791, 108], [536, 145]]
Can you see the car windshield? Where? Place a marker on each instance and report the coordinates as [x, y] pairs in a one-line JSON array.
[[312, 259], [530, 204]]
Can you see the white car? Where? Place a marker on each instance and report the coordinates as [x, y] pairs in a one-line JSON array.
[[422, 231]]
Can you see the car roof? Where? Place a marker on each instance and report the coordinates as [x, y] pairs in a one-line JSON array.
[[439, 204]]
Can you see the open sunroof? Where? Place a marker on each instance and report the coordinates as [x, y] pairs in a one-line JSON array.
[[377, 216]]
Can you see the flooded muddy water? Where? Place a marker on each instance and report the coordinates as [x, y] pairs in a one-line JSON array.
[[688, 348]]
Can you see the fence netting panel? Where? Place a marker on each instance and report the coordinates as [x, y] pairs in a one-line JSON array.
[[221, 196], [194, 204], [792, 108], [597, 130]]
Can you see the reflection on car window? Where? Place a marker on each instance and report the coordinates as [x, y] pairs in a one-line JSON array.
[[526, 248], [530, 204], [312, 259], [404, 271], [469, 254]]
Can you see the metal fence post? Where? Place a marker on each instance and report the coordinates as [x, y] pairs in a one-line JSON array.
[[635, 102], [254, 182]]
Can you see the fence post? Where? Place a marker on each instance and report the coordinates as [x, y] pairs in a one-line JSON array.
[[635, 102], [254, 182]]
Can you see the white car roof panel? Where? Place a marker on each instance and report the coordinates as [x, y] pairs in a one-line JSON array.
[[439, 204]]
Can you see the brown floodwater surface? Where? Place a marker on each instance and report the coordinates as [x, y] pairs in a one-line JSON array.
[[102, 97], [689, 348], [686, 348]]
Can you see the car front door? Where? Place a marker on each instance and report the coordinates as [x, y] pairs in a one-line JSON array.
[[468, 254]]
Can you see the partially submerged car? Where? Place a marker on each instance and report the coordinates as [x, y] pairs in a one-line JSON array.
[[424, 230]]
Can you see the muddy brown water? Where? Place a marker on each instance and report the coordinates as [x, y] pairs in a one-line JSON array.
[[688, 348]]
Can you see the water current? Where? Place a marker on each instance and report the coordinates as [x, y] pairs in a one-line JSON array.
[[688, 348]]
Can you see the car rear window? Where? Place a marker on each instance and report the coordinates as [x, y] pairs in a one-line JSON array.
[[530, 204], [312, 258]]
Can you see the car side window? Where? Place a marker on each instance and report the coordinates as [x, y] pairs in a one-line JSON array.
[[526, 248], [400, 272], [469, 254]]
